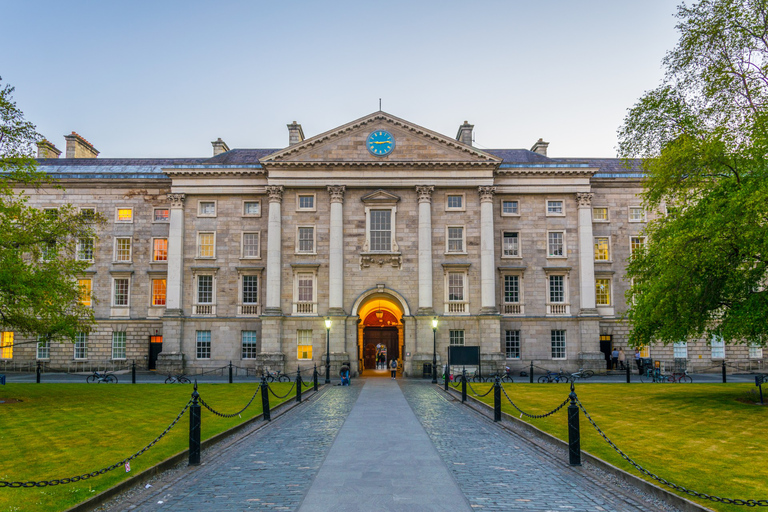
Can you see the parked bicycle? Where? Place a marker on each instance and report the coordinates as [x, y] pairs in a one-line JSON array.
[[471, 377], [277, 376], [105, 377], [582, 374], [680, 376], [560, 376], [179, 378], [505, 376], [653, 375]]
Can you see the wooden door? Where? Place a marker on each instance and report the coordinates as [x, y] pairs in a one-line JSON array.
[[372, 336]]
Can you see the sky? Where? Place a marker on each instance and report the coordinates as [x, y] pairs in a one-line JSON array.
[[148, 79]]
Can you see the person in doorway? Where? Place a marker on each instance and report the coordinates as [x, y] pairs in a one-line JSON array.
[[638, 362], [622, 359], [614, 359], [393, 368]]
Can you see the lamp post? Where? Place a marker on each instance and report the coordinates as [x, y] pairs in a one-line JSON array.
[[434, 350], [327, 350]]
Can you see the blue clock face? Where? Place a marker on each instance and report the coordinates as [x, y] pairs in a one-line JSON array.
[[380, 143]]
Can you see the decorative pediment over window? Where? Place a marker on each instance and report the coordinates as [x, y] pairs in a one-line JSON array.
[[380, 198]]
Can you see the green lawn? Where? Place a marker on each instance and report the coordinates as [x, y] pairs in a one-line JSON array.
[[63, 430], [695, 435]]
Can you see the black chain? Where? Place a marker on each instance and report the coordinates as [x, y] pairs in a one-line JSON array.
[[308, 385], [641, 469], [534, 416], [456, 385], [285, 395], [238, 413], [86, 476], [213, 370], [475, 392]]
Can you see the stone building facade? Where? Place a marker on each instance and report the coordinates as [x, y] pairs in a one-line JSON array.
[[379, 226]]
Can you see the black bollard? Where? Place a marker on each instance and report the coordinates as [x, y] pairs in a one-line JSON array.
[[195, 420], [265, 399], [298, 384], [446, 377], [724, 379], [531, 374], [314, 376], [626, 366], [497, 400], [230, 372], [463, 386], [574, 437], [133, 372], [37, 373], [759, 384]]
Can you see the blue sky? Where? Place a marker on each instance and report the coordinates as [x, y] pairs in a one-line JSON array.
[[164, 79]]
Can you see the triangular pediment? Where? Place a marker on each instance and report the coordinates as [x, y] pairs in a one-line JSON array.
[[414, 146], [380, 197]]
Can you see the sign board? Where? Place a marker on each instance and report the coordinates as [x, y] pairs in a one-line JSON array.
[[463, 356]]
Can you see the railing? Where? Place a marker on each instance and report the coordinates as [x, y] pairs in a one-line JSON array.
[[455, 308], [512, 309], [249, 309], [558, 309], [204, 309], [305, 308]]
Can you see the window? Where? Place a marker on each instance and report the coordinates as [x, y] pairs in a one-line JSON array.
[[43, 347], [718, 347], [558, 344], [124, 215], [158, 292], [381, 230], [85, 249], [305, 238], [121, 289], [206, 245], [755, 351], [557, 288], [6, 345], [511, 289], [601, 248], [81, 345], [306, 202], [206, 208], [510, 245], [456, 286], [555, 244], [512, 344], [49, 251], [603, 292], [456, 338], [118, 345], [162, 214], [250, 289], [123, 250], [455, 239], [455, 202], [305, 291], [160, 249], [205, 289], [645, 351], [636, 243], [250, 342], [250, 247], [88, 213], [509, 208], [251, 208], [203, 344], [304, 342], [680, 350], [86, 287], [555, 208], [600, 214], [636, 214]]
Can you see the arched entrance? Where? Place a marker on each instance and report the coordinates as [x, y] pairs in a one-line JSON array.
[[380, 333]]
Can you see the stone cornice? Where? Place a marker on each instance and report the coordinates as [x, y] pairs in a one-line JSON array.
[[546, 171], [215, 171], [409, 164]]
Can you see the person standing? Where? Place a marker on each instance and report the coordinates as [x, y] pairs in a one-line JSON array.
[[638, 362], [614, 359], [622, 359], [393, 368]]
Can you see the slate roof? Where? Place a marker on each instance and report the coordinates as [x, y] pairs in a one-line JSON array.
[[519, 156]]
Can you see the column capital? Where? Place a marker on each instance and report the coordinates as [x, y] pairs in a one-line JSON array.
[[486, 194], [584, 199], [337, 193], [177, 200], [425, 193], [275, 193]]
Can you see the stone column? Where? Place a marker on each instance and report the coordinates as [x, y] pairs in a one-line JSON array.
[[274, 247], [487, 274], [336, 252], [425, 250], [586, 256], [171, 358]]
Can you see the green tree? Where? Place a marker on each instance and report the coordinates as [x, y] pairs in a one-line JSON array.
[[39, 290], [702, 137]]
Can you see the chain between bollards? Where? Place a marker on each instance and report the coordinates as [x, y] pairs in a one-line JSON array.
[[463, 386], [37, 373], [314, 376], [530, 374], [298, 384], [497, 400], [133, 372], [195, 420], [574, 436], [230, 372], [265, 399]]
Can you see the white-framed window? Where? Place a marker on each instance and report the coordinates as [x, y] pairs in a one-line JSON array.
[[88, 212], [558, 343], [49, 251], [556, 244], [512, 294], [159, 249], [555, 207], [455, 202], [81, 345], [250, 344], [680, 350], [206, 208], [161, 215], [123, 250], [603, 292], [512, 344], [203, 344], [456, 337], [118, 344], [6, 345], [250, 289], [380, 223], [251, 208], [380, 232], [158, 292], [124, 215], [510, 208], [510, 244], [755, 351], [305, 291], [86, 291], [600, 214], [636, 243], [250, 245], [454, 238], [121, 291], [205, 289], [718, 347], [456, 297], [636, 214], [43, 347], [602, 248], [557, 293], [206, 245], [305, 239], [557, 288], [85, 249], [305, 203], [304, 344]]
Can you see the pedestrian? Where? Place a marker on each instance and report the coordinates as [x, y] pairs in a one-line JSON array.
[[622, 358], [638, 362], [344, 374], [393, 368], [614, 358]]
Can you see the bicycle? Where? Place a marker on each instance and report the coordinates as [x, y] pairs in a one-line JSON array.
[[680, 376], [179, 378], [582, 374], [474, 377], [505, 376], [560, 376], [277, 376], [97, 377], [653, 375]]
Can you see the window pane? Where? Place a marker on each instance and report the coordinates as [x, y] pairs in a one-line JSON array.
[[250, 245], [158, 292], [511, 289], [554, 207], [512, 344], [81, 345], [556, 243], [636, 243], [124, 214], [86, 286], [306, 202], [601, 249], [306, 239], [43, 347], [251, 208], [556, 288], [160, 249], [250, 289], [455, 239], [680, 350], [305, 287], [455, 286], [207, 208], [718, 347], [6, 345], [509, 207], [162, 214], [88, 213], [603, 292], [510, 244], [123, 249], [457, 338], [599, 213], [558, 344], [205, 289], [85, 249], [636, 214], [381, 230], [206, 245], [455, 202], [250, 344], [203, 344], [118, 345], [121, 292], [304, 344]]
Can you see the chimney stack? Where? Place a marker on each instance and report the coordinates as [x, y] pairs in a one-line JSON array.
[[295, 133], [219, 147], [78, 147], [465, 133], [46, 149], [540, 147]]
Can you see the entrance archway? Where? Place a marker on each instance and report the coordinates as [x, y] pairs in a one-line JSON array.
[[380, 333]]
